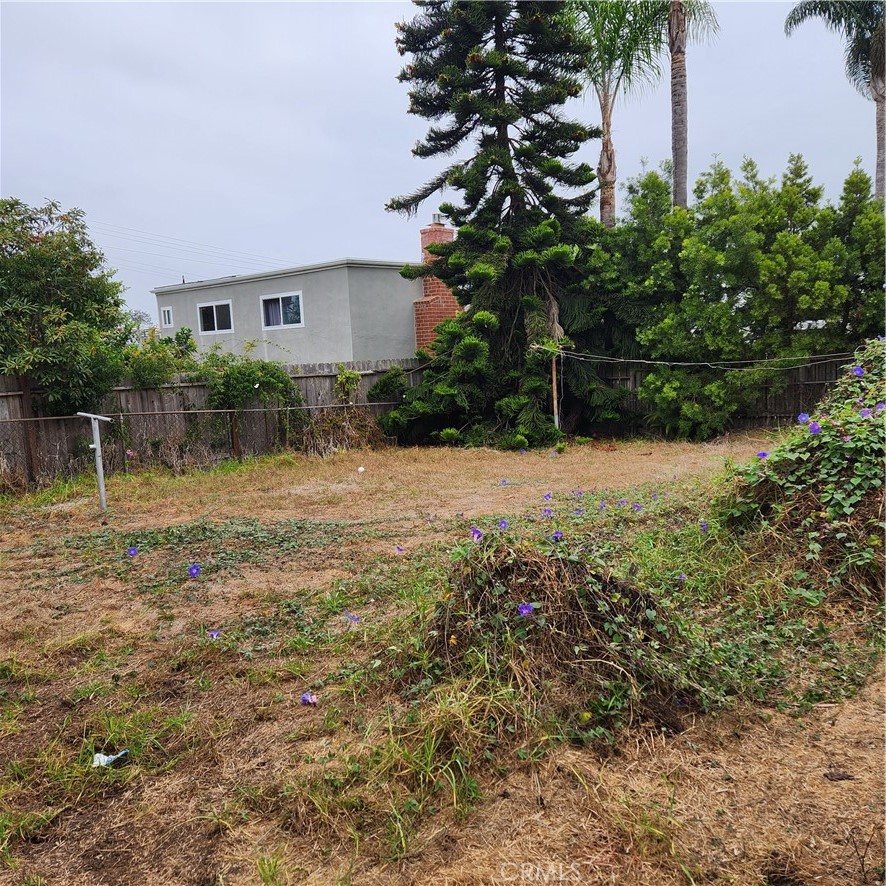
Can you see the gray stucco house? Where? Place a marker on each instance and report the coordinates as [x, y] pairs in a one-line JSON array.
[[343, 310], [339, 311]]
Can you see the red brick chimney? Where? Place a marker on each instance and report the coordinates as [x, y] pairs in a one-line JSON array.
[[437, 303]]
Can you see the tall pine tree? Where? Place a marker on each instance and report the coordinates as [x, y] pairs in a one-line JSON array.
[[492, 77]]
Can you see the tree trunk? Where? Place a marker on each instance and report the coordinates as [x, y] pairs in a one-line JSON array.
[[879, 93], [515, 201], [32, 450], [679, 103], [606, 170]]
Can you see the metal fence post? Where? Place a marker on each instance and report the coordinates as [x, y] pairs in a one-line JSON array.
[[236, 448], [97, 446]]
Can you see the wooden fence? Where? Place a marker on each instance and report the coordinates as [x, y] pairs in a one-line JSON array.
[[173, 425], [792, 392]]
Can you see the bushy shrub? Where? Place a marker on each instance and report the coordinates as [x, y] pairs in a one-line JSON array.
[[154, 362], [236, 380], [390, 387], [346, 383], [691, 404]]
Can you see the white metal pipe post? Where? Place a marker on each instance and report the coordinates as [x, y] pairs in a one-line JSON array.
[[97, 446]]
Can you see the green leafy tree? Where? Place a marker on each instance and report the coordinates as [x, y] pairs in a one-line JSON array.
[[492, 77], [860, 24], [62, 323], [140, 326], [764, 272]]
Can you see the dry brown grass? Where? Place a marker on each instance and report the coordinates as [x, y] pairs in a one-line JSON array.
[[739, 799]]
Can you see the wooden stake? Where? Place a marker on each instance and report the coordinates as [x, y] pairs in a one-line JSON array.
[[554, 383]]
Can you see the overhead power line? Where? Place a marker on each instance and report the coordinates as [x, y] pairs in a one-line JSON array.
[[201, 259], [138, 234]]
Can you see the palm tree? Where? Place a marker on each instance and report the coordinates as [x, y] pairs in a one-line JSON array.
[[860, 23], [622, 47], [680, 19]]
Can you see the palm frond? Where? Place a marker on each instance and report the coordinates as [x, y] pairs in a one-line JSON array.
[[860, 23], [624, 42]]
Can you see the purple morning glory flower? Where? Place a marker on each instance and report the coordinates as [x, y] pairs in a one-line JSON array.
[[655, 496], [602, 506], [636, 507], [133, 552], [858, 371], [622, 502], [547, 512], [476, 533], [502, 524], [579, 512], [399, 549], [213, 634], [504, 482], [526, 609], [762, 455], [557, 536], [352, 618], [547, 496], [681, 576], [814, 428], [880, 406], [803, 417], [704, 525], [194, 570], [309, 698], [866, 412]]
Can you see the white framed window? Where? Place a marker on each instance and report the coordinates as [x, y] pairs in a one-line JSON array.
[[278, 311], [215, 317], [166, 318]]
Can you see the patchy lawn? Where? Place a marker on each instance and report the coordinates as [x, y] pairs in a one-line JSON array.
[[325, 579]]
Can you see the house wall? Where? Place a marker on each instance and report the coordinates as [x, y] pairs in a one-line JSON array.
[[325, 335], [351, 309], [382, 325]]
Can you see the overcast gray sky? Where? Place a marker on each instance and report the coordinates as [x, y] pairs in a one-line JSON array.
[[207, 139]]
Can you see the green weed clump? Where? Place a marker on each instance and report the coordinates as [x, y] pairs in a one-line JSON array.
[[821, 489]]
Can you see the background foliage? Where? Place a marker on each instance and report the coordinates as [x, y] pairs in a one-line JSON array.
[[62, 323]]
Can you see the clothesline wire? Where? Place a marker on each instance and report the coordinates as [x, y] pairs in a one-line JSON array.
[[726, 365]]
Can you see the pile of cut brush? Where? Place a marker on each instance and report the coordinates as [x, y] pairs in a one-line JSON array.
[[340, 429], [573, 638]]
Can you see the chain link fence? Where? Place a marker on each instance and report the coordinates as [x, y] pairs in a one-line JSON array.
[[43, 449]]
